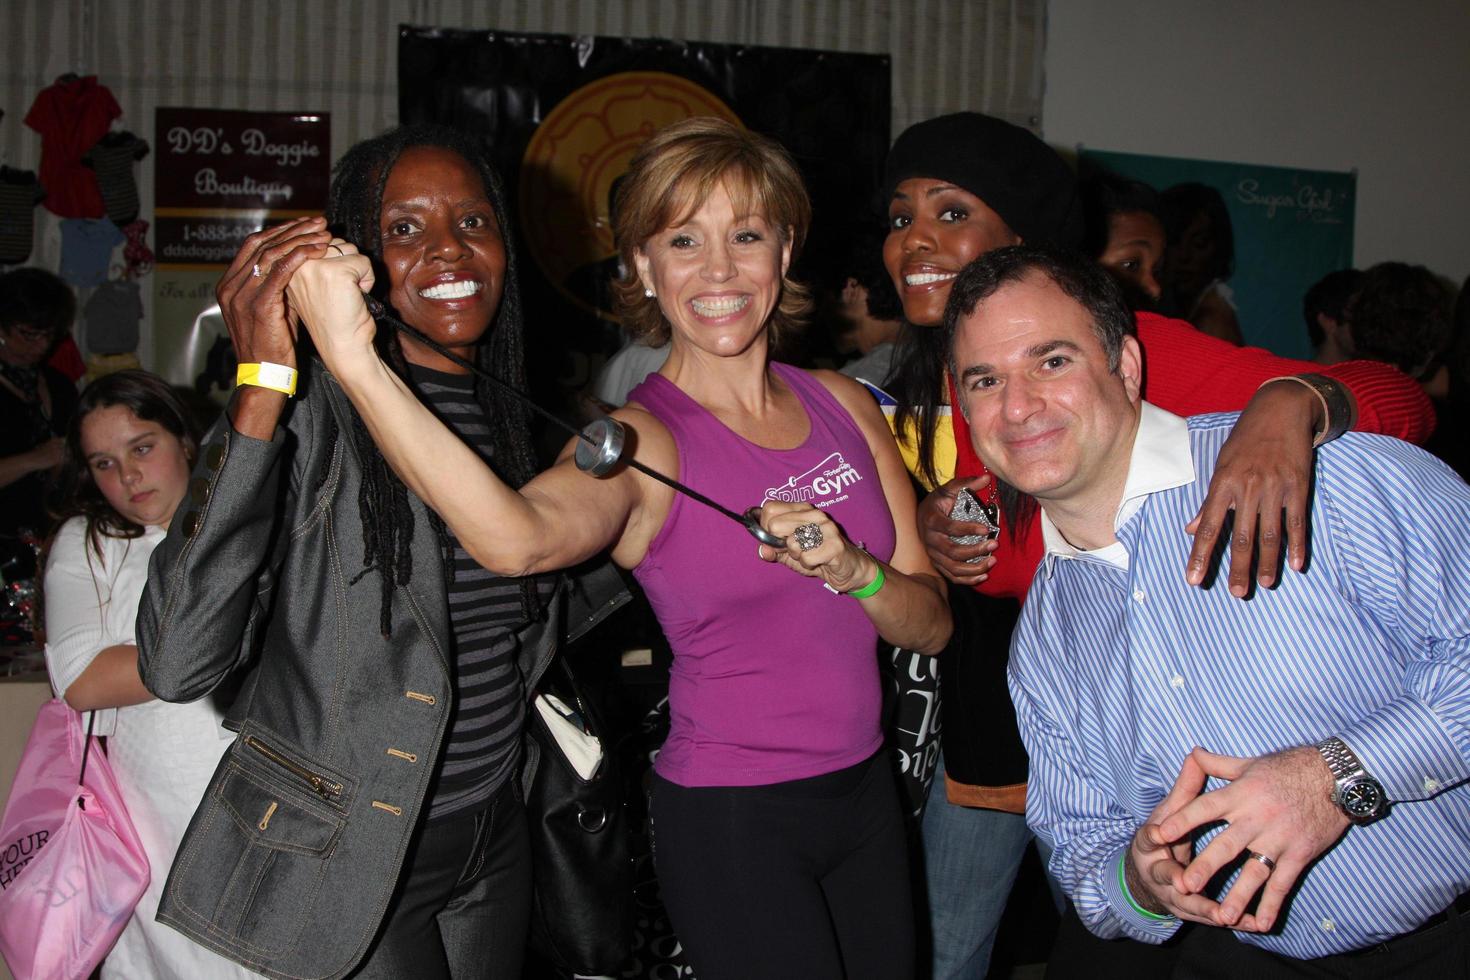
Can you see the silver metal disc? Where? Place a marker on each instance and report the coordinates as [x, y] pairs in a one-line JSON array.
[[602, 453]]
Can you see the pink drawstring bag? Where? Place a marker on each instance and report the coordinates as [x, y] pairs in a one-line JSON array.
[[71, 866]]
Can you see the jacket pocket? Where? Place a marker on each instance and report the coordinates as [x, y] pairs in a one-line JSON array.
[[253, 865]]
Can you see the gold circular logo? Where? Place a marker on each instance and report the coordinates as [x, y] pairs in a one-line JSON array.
[[580, 148]]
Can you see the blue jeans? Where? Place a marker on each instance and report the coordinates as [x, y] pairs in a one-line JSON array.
[[970, 861]]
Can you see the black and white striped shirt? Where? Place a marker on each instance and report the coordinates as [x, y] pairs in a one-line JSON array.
[[483, 747]]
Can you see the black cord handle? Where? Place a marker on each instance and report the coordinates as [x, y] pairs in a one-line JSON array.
[[86, 748]]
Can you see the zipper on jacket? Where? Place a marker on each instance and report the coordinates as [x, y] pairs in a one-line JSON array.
[[321, 785]]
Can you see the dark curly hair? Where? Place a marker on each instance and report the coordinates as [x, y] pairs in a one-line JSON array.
[[1182, 203], [354, 210], [1329, 296], [148, 397], [1105, 194], [38, 299], [1401, 315]]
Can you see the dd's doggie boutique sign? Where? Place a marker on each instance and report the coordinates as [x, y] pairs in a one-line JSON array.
[[220, 176]]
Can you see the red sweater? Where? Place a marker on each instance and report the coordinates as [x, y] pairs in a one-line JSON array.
[[1190, 373]]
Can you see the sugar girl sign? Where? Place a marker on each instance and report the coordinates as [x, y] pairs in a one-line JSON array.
[[221, 175]]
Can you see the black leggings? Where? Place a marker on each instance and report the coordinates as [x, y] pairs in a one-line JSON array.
[[805, 879]]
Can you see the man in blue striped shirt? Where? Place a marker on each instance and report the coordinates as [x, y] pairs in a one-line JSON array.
[[1330, 817]]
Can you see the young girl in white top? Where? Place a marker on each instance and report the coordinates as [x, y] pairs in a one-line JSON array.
[[126, 468]]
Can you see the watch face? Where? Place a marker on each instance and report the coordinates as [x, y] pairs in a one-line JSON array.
[[1362, 799]]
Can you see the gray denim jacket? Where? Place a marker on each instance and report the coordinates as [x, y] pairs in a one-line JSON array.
[[290, 859]]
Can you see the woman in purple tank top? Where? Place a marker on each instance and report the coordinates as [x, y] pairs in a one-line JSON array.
[[777, 832]]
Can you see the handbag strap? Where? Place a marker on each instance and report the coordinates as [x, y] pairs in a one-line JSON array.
[[590, 725], [86, 747]]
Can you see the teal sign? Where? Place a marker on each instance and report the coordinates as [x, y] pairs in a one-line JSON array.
[[1291, 227]]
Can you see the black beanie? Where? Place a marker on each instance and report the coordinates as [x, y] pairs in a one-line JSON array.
[[1017, 175]]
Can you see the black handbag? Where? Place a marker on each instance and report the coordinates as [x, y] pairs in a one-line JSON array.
[[582, 859]]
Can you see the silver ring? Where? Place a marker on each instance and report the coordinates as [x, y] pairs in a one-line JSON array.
[[1270, 863], [256, 271], [808, 536]]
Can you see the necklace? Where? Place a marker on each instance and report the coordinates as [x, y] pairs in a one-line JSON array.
[[25, 380]]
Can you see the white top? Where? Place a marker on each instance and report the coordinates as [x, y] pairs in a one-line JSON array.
[[875, 366], [162, 754], [626, 371], [1220, 288]]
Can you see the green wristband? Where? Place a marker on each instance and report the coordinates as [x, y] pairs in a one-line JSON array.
[[1123, 887], [871, 589]]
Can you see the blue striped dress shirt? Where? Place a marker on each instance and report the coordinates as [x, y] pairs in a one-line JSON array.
[[1118, 669]]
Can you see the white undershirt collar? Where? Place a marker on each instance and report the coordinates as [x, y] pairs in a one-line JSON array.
[[1160, 460]]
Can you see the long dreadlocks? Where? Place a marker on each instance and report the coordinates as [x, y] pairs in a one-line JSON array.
[[354, 210]]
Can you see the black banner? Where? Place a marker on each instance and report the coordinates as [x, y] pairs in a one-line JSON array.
[[566, 113]]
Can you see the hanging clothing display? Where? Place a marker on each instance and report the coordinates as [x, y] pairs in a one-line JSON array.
[[112, 159], [67, 358], [20, 192], [86, 250], [136, 252], [71, 116], [111, 317]]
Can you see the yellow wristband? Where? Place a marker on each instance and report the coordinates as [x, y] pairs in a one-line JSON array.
[[276, 377]]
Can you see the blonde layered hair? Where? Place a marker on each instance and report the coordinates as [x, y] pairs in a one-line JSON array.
[[672, 176]]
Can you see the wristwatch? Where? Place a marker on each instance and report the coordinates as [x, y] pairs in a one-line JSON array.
[[1358, 795]]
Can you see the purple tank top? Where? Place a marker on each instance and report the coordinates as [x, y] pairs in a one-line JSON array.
[[774, 677]]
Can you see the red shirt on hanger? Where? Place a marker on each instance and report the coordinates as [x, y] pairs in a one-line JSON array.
[[71, 117]]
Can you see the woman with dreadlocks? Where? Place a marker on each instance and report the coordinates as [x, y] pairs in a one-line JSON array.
[[366, 819]]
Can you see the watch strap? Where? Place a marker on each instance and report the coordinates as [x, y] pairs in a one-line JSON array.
[[1341, 759]]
